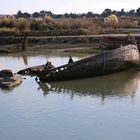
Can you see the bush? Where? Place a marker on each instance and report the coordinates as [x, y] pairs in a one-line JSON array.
[[83, 31], [23, 25]]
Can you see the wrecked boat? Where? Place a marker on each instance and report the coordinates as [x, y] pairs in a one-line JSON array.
[[123, 58], [8, 79], [35, 70]]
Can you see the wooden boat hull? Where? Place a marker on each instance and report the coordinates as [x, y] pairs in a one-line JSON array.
[[110, 61], [35, 70], [31, 70], [10, 82]]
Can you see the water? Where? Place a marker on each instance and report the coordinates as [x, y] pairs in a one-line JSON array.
[[101, 108]]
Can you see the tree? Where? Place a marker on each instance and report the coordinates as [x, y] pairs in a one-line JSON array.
[[49, 13], [89, 14], [66, 15], [122, 13], [72, 15], [19, 14], [26, 15], [131, 13], [106, 12], [43, 13], [138, 12], [36, 15]]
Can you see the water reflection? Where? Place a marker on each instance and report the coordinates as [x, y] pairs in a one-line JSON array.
[[6, 90], [25, 58], [118, 84], [20, 61]]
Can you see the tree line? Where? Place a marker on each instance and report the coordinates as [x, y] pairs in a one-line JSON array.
[[106, 12]]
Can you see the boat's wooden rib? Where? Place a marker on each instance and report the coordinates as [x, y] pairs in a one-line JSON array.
[[35, 70], [31, 70], [119, 59]]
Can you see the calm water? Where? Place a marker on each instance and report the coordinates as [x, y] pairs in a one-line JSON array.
[[101, 108]]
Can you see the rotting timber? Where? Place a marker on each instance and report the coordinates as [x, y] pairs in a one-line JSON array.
[[35, 70], [119, 59]]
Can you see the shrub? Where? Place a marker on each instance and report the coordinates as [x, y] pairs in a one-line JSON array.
[[83, 31], [112, 19], [127, 23], [23, 24]]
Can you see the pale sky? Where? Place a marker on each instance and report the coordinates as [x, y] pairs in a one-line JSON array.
[[66, 6]]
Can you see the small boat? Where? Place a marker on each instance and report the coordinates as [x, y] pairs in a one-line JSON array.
[[123, 58], [35, 70], [8, 79]]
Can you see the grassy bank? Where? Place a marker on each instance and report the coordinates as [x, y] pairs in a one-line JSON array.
[[48, 26]]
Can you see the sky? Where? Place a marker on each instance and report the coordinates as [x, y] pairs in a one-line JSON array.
[[66, 6]]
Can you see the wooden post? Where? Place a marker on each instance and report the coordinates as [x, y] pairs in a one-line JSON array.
[[24, 45], [103, 61]]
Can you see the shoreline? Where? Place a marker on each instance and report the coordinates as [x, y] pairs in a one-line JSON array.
[[86, 44], [72, 49]]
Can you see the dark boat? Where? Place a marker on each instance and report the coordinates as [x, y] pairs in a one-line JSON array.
[[35, 70], [8, 79], [119, 59]]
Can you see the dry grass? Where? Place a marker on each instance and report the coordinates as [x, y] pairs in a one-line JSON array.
[[66, 26]]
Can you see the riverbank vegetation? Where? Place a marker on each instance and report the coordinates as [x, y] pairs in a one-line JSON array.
[[44, 31], [45, 23]]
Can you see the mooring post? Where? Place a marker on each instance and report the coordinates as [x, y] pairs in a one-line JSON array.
[[103, 61], [24, 45]]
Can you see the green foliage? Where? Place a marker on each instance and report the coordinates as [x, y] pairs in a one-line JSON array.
[[8, 22], [83, 31], [36, 25], [23, 25]]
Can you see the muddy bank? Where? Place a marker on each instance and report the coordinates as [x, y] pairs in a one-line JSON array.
[[67, 43], [89, 48], [117, 38]]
